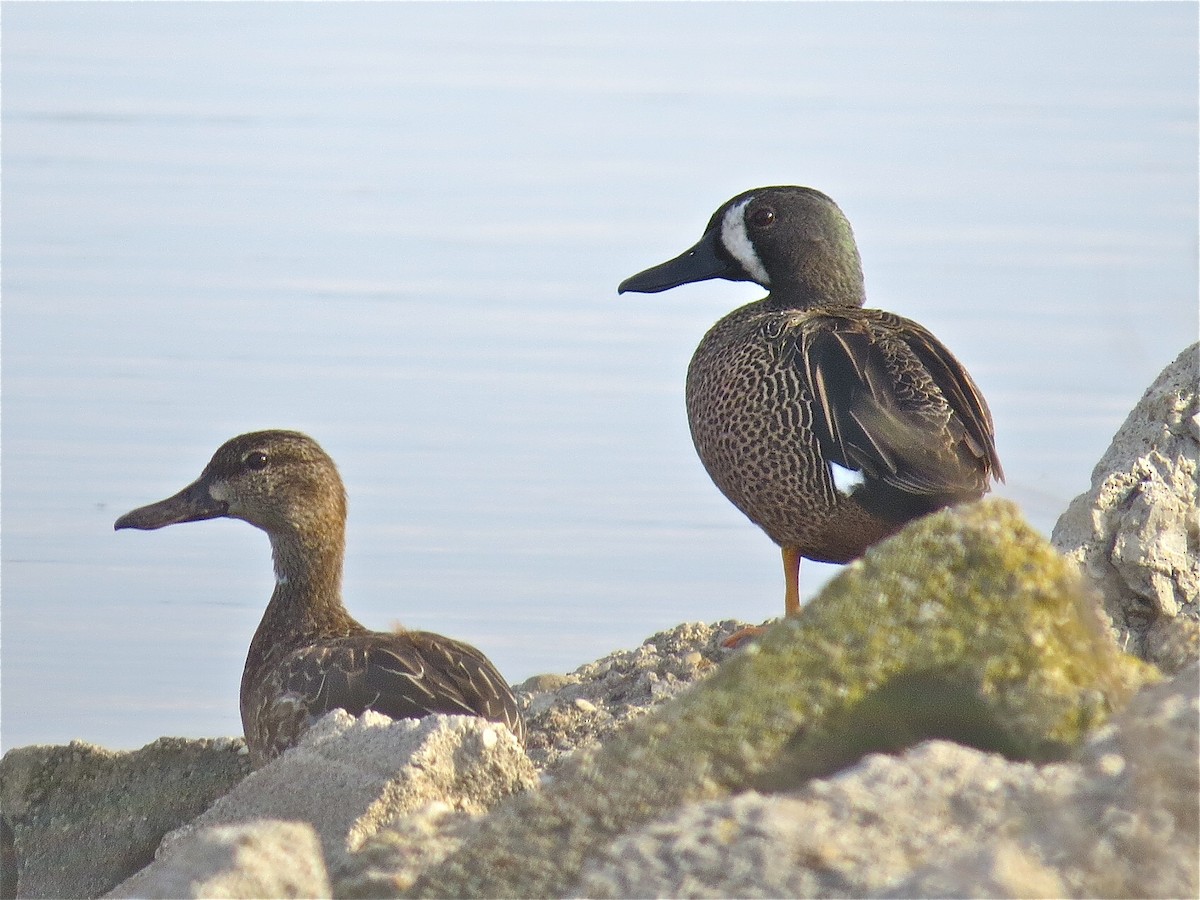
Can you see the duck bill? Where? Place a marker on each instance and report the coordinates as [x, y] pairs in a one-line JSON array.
[[700, 263], [192, 504]]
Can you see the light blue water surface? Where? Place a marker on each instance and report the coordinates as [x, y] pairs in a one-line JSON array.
[[400, 227]]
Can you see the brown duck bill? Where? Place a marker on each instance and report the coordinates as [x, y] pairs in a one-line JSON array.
[[192, 504], [700, 263]]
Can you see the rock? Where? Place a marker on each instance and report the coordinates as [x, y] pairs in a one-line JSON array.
[[564, 713], [259, 859], [860, 832], [1136, 533], [972, 595], [349, 777], [84, 818], [1127, 826], [390, 860], [1137, 820], [943, 820]]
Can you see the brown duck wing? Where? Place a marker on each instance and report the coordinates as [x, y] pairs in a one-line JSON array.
[[892, 402], [402, 675]]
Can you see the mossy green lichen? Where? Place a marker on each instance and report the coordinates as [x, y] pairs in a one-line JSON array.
[[970, 602]]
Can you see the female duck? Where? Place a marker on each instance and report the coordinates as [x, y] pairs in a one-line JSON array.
[[309, 656], [827, 424]]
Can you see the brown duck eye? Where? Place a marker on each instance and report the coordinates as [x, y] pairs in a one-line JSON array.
[[256, 460], [763, 217]]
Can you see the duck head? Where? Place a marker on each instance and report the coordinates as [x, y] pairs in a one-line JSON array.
[[793, 241], [279, 481]]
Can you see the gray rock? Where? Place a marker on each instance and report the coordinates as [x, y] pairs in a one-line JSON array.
[[349, 777], [1136, 533], [973, 595], [565, 713], [388, 862], [83, 818], [260, 859], [944, 820], [860, 832], [1128, 828]]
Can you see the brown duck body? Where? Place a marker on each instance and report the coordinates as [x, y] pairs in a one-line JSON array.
[[827, 424], [291, 680], [309, 655], [767, 439]]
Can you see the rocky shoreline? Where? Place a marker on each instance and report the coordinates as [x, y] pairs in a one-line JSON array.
[[955, 714]]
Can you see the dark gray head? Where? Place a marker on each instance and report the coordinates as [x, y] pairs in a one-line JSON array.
[[793, 241], [279, 481]]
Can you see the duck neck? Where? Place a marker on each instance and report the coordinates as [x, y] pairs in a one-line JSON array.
[[307, 600], [827, 274]]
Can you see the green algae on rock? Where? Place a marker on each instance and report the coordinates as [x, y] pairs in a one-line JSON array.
[[972, 593], [84, 818]]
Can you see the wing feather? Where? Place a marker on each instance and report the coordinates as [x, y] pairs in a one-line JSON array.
[[402, 675], [892, 402]]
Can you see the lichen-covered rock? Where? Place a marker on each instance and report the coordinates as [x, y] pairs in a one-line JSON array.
[[1137, 816], [84, 818], [564, 713], [862, 831], [972, 595], [348, 777], [259, 859], [1126, 827], [1136, 532], [943, 820]]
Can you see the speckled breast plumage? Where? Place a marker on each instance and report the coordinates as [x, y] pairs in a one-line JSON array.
[[751, 415]]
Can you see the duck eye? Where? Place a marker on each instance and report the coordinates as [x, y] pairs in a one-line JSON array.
[[763, 217], [256, 460]]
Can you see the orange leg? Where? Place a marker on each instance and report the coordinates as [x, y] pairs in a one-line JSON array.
[[791, 581], [791, 598]]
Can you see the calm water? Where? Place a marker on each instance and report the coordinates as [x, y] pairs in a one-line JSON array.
[[400, 228]]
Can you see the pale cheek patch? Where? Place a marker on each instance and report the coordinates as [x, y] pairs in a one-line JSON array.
[[845, 480], [737, 242]]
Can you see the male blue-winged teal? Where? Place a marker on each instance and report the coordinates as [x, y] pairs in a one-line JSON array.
[[309, 656], [827, 424]]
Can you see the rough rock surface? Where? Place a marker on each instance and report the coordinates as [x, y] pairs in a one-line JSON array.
[[943, 820], [84, 818], [565, 713], [258, 859], [968, 596], [1136, 533], [349, 777], [1126, 827], [861, 831]]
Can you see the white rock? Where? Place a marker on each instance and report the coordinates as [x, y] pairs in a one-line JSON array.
[[258, 859], [1136, 533], [349, 777]]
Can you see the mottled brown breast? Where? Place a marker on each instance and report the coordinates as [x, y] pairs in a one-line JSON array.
[[774, 396]]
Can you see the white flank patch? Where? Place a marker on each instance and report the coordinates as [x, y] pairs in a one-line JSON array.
[[737, 242], [845, 480]]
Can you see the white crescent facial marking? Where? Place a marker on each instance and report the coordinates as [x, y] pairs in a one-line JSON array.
[[845, 480], [737, 242]]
